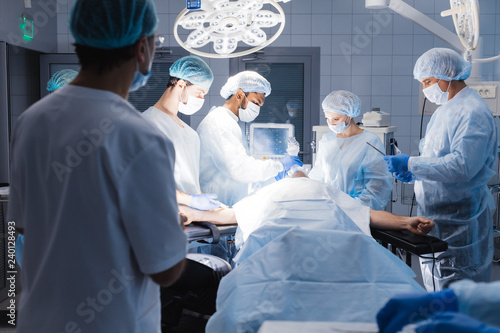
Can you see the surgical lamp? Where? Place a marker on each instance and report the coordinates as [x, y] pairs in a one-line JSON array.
[[226, 23]]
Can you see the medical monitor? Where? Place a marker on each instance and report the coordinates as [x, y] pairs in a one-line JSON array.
[[269, 141]]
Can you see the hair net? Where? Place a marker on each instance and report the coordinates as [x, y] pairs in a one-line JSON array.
[[194, 70], [248, 81], [441, 63], [342, 102], [60, 79], [112, 24]]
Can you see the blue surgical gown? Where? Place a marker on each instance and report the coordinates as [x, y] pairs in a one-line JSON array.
[[354, 167], [458, 154]]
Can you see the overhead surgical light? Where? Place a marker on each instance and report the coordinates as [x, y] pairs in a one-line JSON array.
[[227, 23]]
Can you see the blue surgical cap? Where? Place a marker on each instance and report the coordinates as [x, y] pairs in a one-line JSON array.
[[194, 70], [247, 81], [60, 79], [441, 63], [111, 24], [342, 102]]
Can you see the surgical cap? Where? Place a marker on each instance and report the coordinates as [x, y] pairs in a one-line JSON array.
[[342, 102], [194, 70], [441, 63], [112, 24], [60, 79], [247, 81], [293, 104]]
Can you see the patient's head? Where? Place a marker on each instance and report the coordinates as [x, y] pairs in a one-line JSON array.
[[299, 174]]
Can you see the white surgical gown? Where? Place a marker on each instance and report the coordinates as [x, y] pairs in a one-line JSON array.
[[305, 259], [225, 167], [354, 167], [92, 185], [458, 155], [187, 149]]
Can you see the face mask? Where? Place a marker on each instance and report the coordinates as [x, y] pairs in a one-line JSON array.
[[192, 106], [435, 95], [250, 113], [140, 79], [292, 114], [339, 128]]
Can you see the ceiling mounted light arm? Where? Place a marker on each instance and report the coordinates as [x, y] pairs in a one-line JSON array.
[[225, 23], [417, 17]]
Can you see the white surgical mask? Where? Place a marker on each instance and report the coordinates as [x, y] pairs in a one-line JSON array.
[[193, 105], [250, 113], [435, 95], [140, 79], [339, 128]]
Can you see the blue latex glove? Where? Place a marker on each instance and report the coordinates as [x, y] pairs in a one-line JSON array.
[[397, 163], [280, 175], [289, 161], [410, 308], [405, 177], [454, 322], [204, 201]]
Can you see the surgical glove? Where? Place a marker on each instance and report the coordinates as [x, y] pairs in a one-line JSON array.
[[454, 322], [280, 175], [410, 308], [289, 161], [204, 201], [397, 163], [405, 177]]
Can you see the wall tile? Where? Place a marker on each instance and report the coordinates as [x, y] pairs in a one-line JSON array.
[[342, 24], [342, 7], [401, 85], [402, 26], [402, 45], [382, 102], [301, 7], [341, 82], [382, 45], [361, 65], [403, 125], [401, 105], [322, 24], [62, 23], [324, 84], [381, 85], [326, 65], [324, 42], [341, 65], [382, 65], [362, 85], [342, 45], [321, 6], [487, 23], [301, 24], [422, 43], [301, 40], [402, 65]]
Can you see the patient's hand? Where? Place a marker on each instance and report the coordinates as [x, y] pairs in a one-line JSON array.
[[218, 216], [420, 225]]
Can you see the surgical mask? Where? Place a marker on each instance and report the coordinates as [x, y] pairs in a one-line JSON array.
[[339, 128], [250, 113], [435, 95], [292, 114], [140, 79], [193, 105]]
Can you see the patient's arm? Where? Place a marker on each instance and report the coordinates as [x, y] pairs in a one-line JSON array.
[[384, 220], [219, 216]]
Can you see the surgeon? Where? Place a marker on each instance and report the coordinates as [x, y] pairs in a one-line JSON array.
[[60, 79], [189, 82], [456, 161], [102, 230], [57, 81], [226, 168], [467, 306], [345, 160]]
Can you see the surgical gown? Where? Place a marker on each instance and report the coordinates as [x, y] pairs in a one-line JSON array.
[[187, 150], [354, 167], [225, 166], [458, 154], [307, 256]]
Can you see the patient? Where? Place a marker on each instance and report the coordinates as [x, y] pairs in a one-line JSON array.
[[306, 254], [304, 195]]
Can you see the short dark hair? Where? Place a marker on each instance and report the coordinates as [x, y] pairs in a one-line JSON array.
[[104, 59], [172, 81]]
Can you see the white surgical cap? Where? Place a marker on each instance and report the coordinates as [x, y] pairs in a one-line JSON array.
[[342, 102], [248, 81], [441, 63]]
